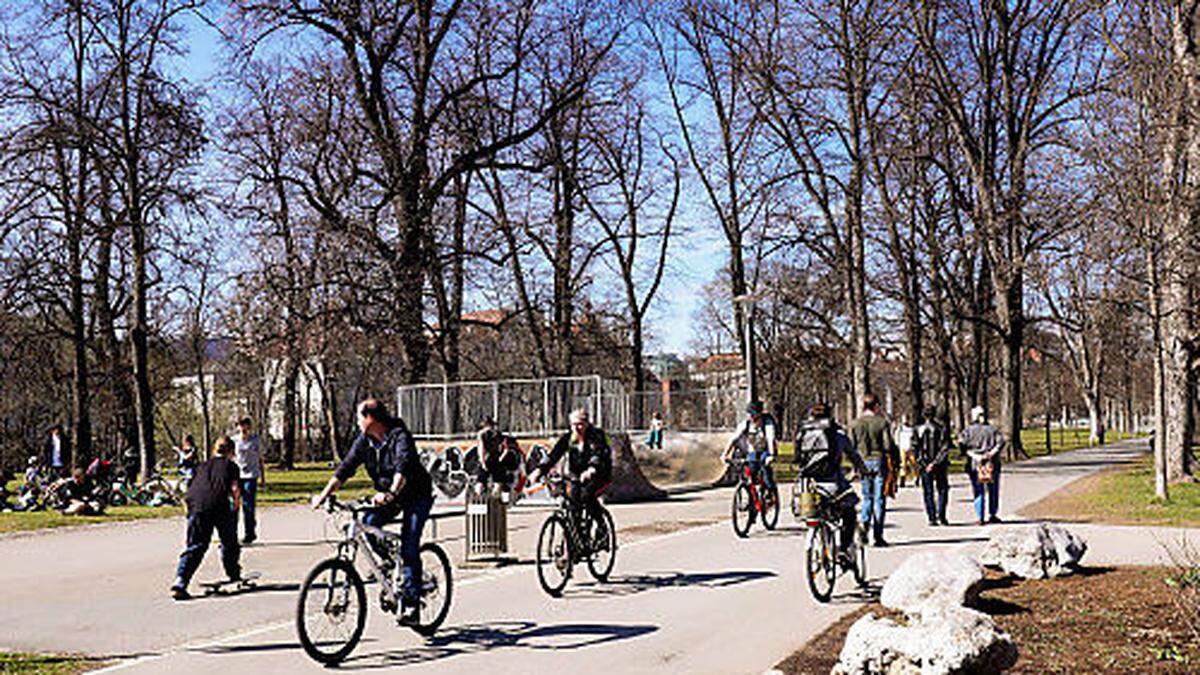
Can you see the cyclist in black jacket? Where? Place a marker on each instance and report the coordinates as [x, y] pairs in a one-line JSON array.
[[589, 461]]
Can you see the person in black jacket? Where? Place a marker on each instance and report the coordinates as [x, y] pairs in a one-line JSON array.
[[499, 457], [403, 487], [932, 445], [589, 461], [212, 500]]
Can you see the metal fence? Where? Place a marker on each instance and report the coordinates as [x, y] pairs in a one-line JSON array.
[[540, 407]]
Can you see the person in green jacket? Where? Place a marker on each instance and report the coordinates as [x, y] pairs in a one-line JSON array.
[[872, 436]]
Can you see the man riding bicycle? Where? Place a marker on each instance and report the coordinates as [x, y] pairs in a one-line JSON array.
[[821, 445], [589, 462], [758, 437], [403, 487]]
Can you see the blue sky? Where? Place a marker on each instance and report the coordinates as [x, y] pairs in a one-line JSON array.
[[694, 258]]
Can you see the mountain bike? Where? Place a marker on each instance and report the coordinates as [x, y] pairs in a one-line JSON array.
[[331, 611], [572, 535], [826, 557], [752, 499]]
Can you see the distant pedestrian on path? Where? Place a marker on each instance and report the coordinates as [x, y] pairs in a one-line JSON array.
[[932, 446], [872, 436], [655, 440], [982, 444], [252, 475], [904, 434], [212, 503]]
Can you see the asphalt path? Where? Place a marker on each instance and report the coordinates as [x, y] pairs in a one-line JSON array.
[[686, 593]]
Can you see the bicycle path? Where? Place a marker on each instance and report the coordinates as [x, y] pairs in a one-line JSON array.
[[698, 599]]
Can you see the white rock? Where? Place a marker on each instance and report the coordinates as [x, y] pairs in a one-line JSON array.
[[931, 581], [954, 640], [1034, 552]]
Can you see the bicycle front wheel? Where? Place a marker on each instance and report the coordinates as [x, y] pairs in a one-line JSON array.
[[771, 507], [820, 565], [743, 511], [860, 561], [332, 611], [554, 556], [437, 587], [604, 546]]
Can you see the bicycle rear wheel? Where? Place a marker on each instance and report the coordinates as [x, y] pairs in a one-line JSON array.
[[437, 587], [604, 546], [554, 556], [331, 611], [820, 566]]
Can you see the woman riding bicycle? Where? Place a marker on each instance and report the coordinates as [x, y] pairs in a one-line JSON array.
[[589, 462], [403, 486], [821, 445]]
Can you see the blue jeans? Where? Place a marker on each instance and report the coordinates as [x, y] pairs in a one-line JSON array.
[[654, 440], [874, 501], [249, 490], [412, 523], [757, 462], [200, 528], [991, 490]]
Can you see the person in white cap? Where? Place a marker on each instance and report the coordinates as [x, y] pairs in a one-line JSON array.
[[982, 444]]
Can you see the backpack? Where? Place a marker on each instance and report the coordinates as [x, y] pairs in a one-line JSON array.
[[813, 441]]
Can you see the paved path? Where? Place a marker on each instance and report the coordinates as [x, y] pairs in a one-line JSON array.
[[682, 600]]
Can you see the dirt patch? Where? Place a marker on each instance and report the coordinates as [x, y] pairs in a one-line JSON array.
[[663, 527], [1103, 620]]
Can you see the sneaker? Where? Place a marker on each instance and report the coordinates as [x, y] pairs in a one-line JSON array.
[[880, 543], [995, 519], [944, 522], [933, 523], [411, 614], [179, 593], [246, 541]]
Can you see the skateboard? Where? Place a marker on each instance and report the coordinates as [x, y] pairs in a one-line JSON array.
[[227, 586]]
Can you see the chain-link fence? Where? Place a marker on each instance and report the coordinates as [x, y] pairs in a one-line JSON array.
[[540, 407]]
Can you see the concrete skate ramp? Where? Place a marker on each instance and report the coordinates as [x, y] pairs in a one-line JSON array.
[[687, 458]]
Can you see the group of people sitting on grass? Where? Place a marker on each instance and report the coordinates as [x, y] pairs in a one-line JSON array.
[[869, 445]]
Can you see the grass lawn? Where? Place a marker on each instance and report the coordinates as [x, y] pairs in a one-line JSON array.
[[1121, 495], [1104, 620], [12, 662], [283, 487]]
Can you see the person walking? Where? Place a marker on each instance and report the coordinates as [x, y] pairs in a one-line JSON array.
[[212, 504], [872, 436], [932, 446], [252, 474], [982, 443], [904, 436]]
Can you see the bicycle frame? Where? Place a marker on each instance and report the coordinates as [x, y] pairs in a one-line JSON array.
[[753, 482], [357, 537]]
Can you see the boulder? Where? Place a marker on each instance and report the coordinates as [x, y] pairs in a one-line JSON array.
[[931, 581], [952, 640], [1037, 551]]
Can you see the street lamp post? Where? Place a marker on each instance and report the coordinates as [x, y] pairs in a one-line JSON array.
[[747, 301]]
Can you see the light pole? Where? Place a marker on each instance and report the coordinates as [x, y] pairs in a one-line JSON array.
[[747, 301]]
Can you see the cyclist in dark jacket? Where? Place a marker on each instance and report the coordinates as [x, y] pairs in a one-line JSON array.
[[820, 434], [402, 484], [589, 461]]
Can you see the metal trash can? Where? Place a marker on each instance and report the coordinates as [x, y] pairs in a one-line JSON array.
[[487, 526]]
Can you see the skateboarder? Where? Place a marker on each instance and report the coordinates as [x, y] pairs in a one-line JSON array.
[[212, 501]]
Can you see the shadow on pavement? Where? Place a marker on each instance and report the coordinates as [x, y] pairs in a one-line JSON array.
[[257, 588], [940, 540], [477, 638], [857, 596], [639, 583]]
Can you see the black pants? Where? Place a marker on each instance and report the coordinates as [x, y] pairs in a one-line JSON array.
[[200, 528], [586, 494], [936, 489]]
